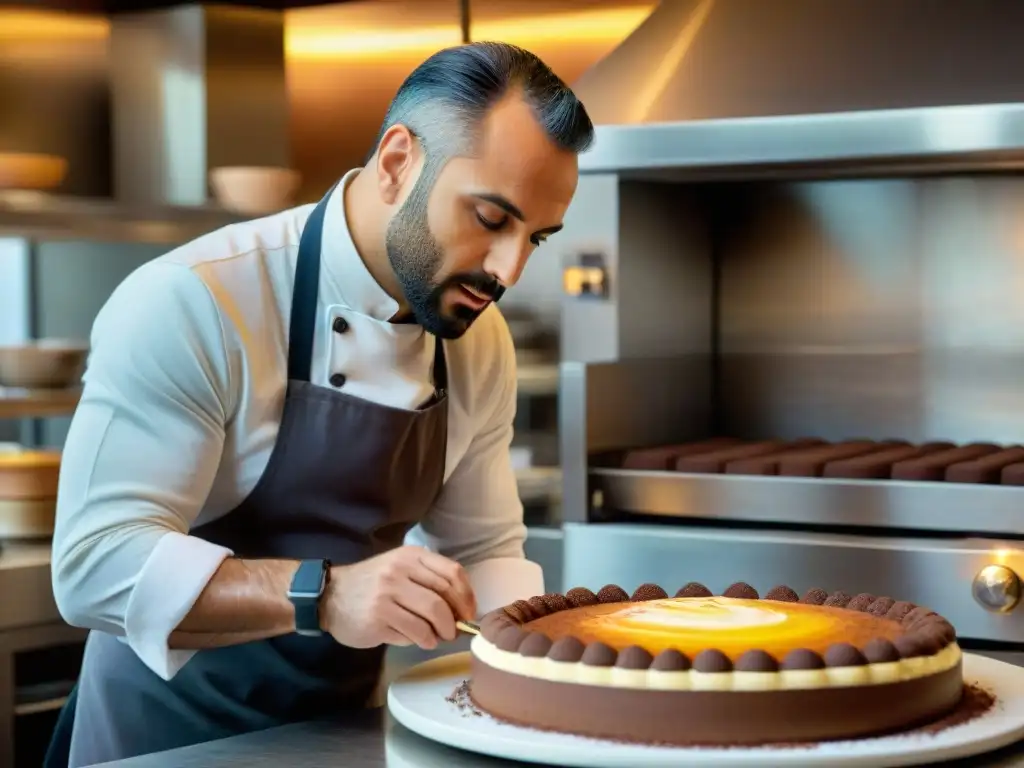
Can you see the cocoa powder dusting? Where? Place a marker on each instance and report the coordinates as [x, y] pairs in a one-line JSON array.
[[976, 702], [460, 698]]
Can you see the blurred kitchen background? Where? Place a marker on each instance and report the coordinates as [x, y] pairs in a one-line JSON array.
[[801, 220], [111, 123]]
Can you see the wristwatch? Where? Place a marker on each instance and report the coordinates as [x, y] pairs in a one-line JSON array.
[[307, 588]]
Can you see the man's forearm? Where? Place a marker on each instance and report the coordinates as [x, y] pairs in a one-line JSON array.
[[245, 600]]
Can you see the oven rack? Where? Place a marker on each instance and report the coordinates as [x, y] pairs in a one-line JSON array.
[[823, 502]]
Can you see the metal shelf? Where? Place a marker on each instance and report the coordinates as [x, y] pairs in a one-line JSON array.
[[46, 217], [538, 380], [922, 506], [43, 697], [539, 484], [37, 403]]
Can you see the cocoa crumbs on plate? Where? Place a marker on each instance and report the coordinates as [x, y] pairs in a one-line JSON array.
[[461, 700], [976, 701]]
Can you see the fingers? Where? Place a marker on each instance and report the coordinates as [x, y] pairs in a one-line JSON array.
[[394, 637], [456, 589], [414, 597], [439, 585], [413, 628], [424, 577], [430, 607]]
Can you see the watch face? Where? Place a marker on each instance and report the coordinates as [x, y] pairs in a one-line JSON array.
[[307, 587], [309, 580]]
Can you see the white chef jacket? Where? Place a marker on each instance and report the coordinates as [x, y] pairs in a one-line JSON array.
[[182, 399]]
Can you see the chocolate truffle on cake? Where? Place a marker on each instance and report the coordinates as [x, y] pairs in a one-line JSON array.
[[899, 610], [612, 593], [634, 657], [555, 602], [861, 602], [783, 594], [599, 655], [581, 596], [693, 589], [816, 596], [567, 649], [648, 592], [741, 591], [881, 606], [838, 600], [670, 660]]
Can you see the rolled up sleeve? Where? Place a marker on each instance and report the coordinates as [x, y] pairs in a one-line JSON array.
[[138, 464], [478, 518]]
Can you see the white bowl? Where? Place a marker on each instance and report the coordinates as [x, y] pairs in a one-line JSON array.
[[253, 190], [43, 364]]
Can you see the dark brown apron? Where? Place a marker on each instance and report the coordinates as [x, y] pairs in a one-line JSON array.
[[346, 480]]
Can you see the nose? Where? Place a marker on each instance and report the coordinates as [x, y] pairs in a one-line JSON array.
[[506, 260]]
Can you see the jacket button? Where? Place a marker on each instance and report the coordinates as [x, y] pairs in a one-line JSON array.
[[340, 325], [337, 379]]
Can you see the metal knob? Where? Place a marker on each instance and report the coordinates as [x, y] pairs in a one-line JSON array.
[[997, 588]]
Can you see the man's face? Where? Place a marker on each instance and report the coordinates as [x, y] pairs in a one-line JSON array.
[[457, 246]]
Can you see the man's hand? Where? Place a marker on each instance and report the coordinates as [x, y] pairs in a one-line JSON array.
[[408, 596]]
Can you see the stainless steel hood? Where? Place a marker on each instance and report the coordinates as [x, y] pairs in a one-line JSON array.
[[738, 82]]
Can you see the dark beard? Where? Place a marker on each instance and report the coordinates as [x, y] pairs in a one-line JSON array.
[[416, 258]]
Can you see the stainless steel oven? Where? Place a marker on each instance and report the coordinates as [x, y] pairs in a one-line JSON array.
[[816, 316]]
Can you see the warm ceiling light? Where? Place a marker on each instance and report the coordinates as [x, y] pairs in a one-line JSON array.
[[24, 26], [318, 42]]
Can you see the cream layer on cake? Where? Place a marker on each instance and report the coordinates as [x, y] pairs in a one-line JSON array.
[[789, 679]]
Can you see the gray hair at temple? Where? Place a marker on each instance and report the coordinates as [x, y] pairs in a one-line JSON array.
[[446, 97]]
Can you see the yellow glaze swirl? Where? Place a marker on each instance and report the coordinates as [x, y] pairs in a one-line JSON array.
[[733, 626]]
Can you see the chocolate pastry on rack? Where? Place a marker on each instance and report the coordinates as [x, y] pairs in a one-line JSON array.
[[725, 670]]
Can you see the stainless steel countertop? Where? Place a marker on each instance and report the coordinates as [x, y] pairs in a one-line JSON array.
[[369, 741], [372, 739]]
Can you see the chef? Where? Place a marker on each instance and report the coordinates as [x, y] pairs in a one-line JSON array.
[[292, 448]]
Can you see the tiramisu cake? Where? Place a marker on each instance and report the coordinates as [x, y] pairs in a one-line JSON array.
[[703, 669]]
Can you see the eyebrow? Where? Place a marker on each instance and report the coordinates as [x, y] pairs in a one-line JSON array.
[[513, 210]]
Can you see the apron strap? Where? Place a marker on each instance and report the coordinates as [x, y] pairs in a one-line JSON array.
[[305, 293], [440, 369]]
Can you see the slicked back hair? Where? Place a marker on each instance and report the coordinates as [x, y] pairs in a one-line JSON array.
[[445, 99]]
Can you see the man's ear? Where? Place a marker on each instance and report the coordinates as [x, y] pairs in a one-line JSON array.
[[397, 155]]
